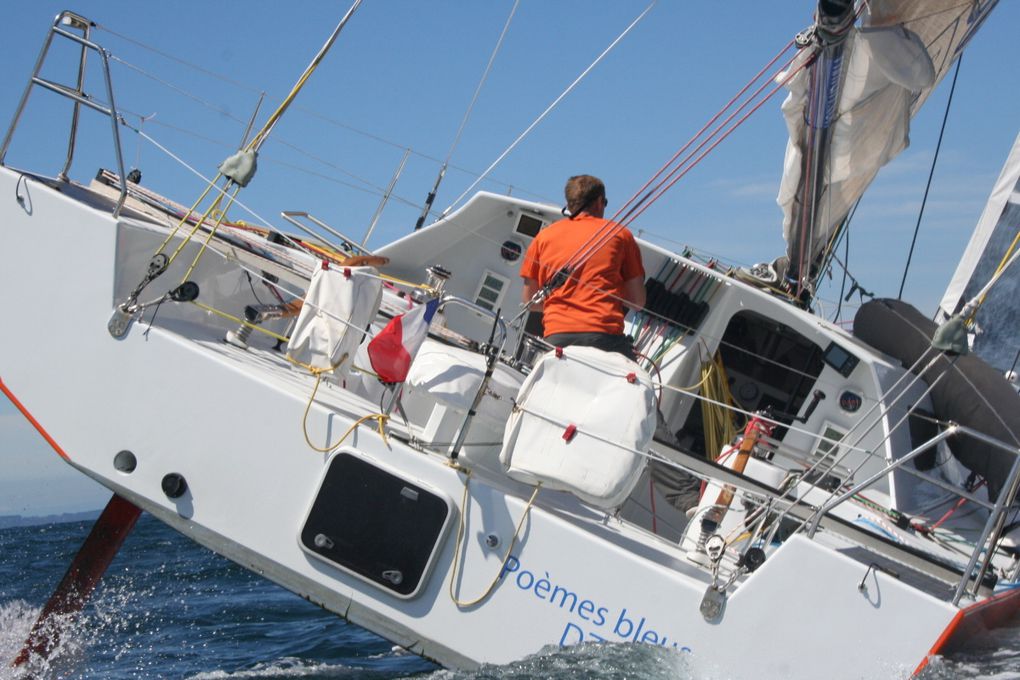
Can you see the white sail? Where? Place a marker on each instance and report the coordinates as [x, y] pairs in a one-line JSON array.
[[996, 339]]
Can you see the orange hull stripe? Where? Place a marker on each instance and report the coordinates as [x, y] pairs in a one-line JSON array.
[[988, 611], [35, 423]]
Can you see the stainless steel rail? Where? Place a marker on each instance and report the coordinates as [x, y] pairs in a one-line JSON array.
[[76, 93], [992, 529], [346, 243]]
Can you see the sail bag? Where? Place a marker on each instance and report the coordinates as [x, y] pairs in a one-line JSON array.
[[582, 421], [338, 307]]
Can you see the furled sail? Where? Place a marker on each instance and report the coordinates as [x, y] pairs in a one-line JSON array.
[[995, 339], [848, 112]]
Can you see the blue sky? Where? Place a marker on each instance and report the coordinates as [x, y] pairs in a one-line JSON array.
[[401, 76]]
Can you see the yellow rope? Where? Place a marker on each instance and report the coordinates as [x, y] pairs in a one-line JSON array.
[[460, 538], [718, 423], [194, 229], [241, 321], [380, 417], [212, 232], [1002, 264], [705, 375], [184, 218]]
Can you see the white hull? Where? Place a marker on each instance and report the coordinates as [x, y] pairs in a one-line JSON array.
[[229, 421]]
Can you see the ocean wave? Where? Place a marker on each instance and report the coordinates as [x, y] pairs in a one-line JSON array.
[[587, 661]]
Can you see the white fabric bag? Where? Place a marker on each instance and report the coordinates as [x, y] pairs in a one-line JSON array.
[[339, 305], [452, 376], [581, 420]]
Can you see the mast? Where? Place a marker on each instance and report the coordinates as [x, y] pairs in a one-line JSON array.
[[849, 111], [834, 20]]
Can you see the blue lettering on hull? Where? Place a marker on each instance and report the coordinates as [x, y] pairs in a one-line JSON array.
[[590, 621]]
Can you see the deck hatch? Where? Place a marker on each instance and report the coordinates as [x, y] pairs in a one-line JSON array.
[[376, 525]]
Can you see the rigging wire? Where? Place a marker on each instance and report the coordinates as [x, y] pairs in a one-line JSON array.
[[260, 137], [171, 57], [639, 201], [931, 174], [427, 208], [226, 113], [551, 106], [250, 88]]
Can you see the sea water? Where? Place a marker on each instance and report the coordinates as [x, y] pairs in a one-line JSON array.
[[168, 608]]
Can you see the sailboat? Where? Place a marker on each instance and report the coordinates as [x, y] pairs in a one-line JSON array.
[[763, 492]]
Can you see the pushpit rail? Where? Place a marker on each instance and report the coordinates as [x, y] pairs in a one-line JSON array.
[[346, 243], [76, 93], [992, 530]]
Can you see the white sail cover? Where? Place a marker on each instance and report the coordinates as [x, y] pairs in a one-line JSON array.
[[998, 320], [339, 305], [582, 422], [886, 70]]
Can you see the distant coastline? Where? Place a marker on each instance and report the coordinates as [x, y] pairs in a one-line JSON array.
[[10, 521]]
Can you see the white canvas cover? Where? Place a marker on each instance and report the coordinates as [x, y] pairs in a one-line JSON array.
[[452, 376], [339, 305], [606, 400]]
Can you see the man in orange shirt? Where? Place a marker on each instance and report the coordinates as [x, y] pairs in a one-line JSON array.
[[605, 273]]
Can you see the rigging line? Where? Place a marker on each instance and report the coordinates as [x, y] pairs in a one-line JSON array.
[[846, 256], [463, 122], [375, 187], [712, 121], [370, 188], [610, 228], [635, 206], [663, 188], [551, 106], [178, 89], [198, 174], [418, 154], [833, 244], [312, 173], [165, 55], [226, 113], [260, 137], [485, 75], [931, 174]]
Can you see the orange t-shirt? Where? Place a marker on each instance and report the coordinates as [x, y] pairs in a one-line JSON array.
[[590, 300]]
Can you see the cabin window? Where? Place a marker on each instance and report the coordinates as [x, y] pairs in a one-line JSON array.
[[528, 225], [769, 365], [828, 450], [491, 290]]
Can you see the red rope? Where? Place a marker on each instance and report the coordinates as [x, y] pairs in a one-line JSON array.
[[640, 200]]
